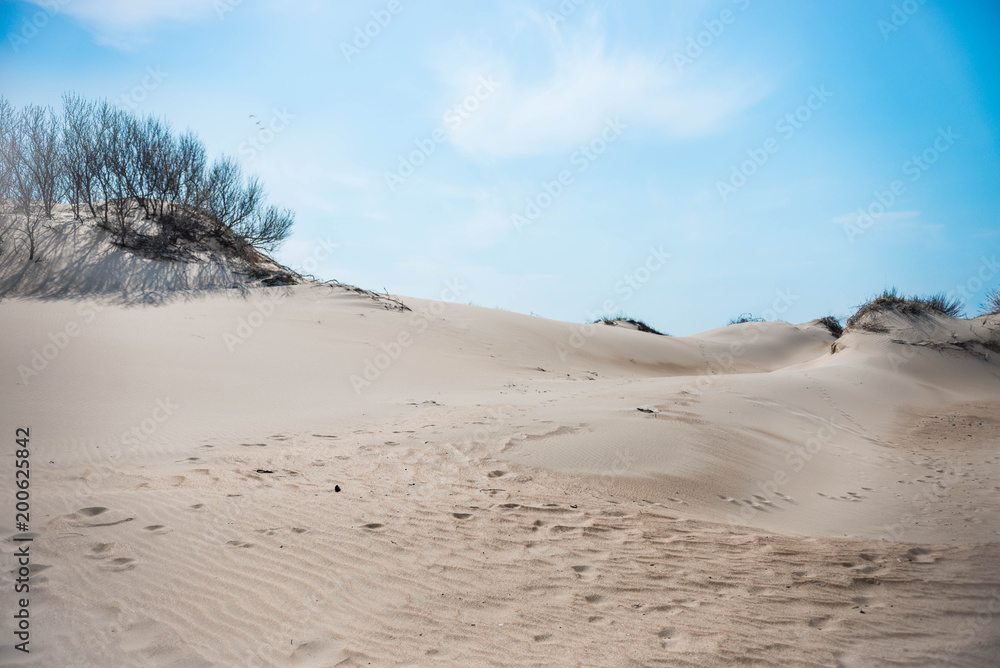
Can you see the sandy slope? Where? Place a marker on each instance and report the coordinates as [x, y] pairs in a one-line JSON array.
[[503, 501]]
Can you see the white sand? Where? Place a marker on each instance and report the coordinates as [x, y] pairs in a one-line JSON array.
[[503, 502]]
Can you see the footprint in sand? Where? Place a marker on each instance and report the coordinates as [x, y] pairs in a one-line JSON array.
[[461, 516], [157, 529], [496, 474], [819, 623], [665, 635], [239, 543], [92, 511], [118, 565], [562, 528], [100, 551], [920, 555], [372, 525], [97, 516]]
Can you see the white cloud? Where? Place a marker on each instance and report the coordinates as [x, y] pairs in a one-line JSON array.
[[124, 23], [587, 83]]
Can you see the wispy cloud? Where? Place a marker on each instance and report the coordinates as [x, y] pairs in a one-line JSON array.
[[126, 23], [586, 83]]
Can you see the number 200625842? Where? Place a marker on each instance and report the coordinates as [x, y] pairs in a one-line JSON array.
[[22, 555], [22, 479]]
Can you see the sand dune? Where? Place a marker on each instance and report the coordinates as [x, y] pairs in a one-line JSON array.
[[502, 501]]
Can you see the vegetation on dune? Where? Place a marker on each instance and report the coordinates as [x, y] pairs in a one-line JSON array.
[[832, 323], [123, 169], [744, 317], [992, 304], [892, 300], [638, 324]]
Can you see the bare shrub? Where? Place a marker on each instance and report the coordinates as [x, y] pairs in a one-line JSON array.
[[124, 168]]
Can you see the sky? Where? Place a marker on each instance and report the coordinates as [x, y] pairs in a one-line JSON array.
[[682, 163]]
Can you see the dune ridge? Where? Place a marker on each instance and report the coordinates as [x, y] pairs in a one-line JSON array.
[[784, 497]]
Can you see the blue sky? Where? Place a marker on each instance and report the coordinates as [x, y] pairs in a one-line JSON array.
[[548, 156]]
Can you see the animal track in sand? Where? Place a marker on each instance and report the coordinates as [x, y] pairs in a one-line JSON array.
[[461, 516], [239, 543], [496, 474]]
